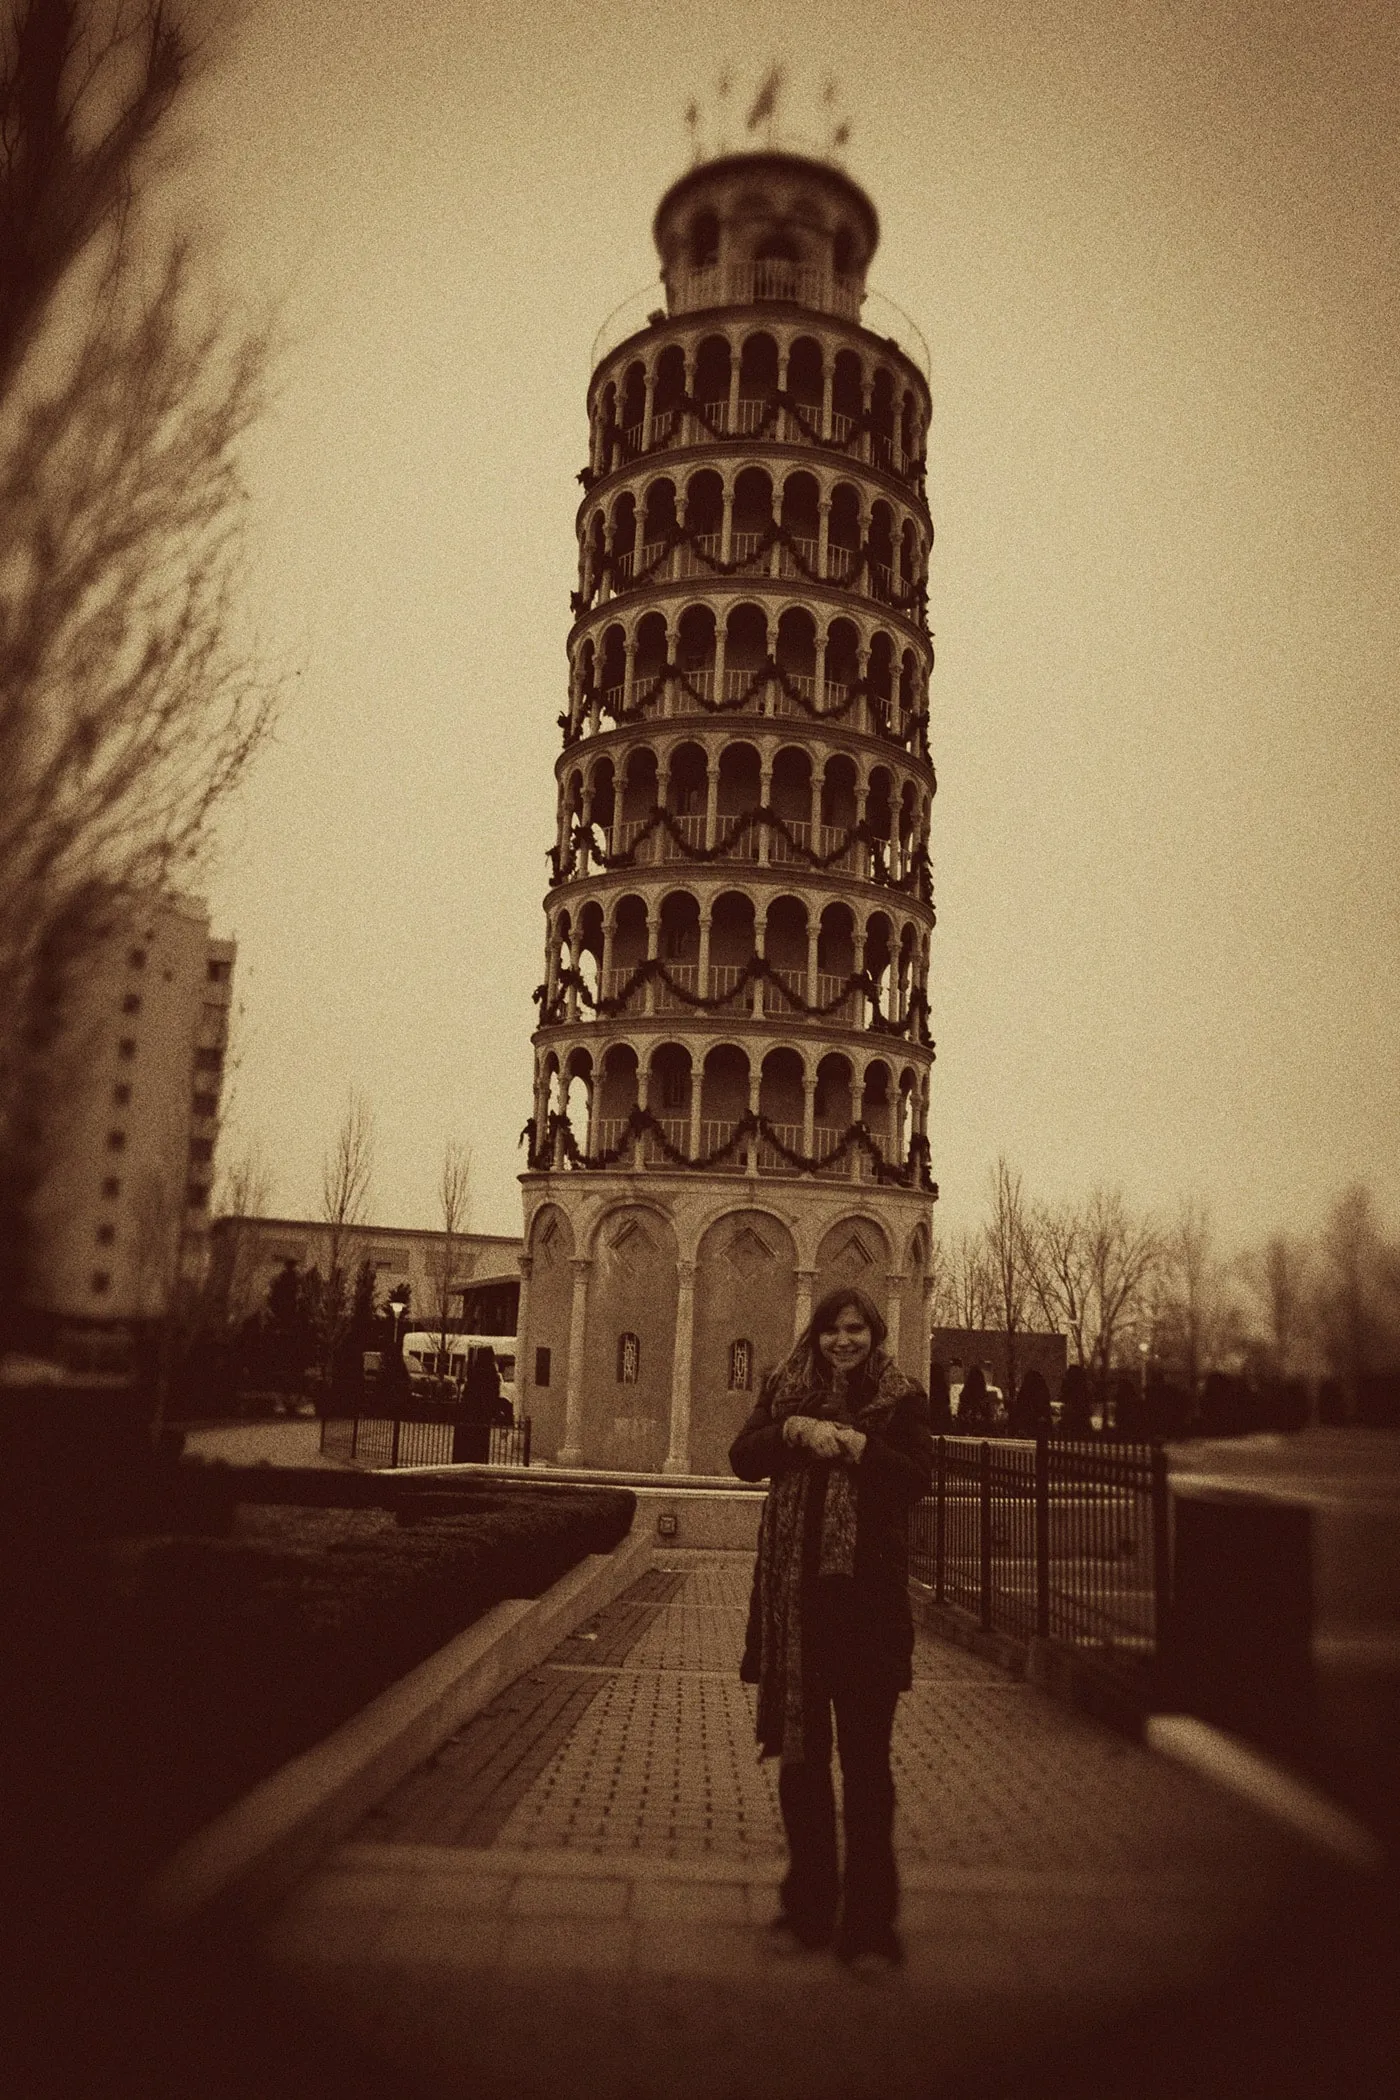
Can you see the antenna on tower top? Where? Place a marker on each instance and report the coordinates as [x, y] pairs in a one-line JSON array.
[[765, 102]]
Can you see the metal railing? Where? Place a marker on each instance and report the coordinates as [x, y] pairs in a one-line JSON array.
[[1053, 1539], [761, 283], [378, 1441]]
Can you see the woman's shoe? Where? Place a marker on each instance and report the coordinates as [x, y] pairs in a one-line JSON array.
[[872, 1959], [798, 1936]]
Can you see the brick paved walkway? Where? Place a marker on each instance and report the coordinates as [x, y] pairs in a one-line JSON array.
[[569, 1898]]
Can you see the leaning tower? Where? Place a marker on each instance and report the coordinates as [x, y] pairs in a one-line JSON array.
[[733, 1052]]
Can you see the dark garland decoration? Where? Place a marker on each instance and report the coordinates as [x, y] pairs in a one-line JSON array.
[[801, 411], [917, 881], [856, 1137], [914, 1024], [742, 703], [913, 603]]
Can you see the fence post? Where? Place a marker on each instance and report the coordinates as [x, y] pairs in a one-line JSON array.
[[984, 1530], [1042, 1537], [940, 1518], [394, 1444], [1161, 1546], [354, 1435], [526, 1459]]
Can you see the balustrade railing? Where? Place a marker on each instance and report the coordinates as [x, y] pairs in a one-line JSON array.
[[692, 836], [684, 977], [725, 979], [779, 849], [770, 1159]]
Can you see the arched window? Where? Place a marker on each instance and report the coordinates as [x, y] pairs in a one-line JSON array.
[[741, 1366], [629, 1359]]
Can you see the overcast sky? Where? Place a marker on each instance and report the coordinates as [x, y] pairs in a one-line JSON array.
[[1153, 249]]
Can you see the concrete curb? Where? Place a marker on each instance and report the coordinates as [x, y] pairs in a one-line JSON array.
[[250, 1855], [1246, 1772]]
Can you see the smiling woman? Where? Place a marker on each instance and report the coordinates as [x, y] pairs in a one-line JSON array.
[[843, 1438]]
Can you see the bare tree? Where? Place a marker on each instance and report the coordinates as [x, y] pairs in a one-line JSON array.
[[1358, 1291], [1192, 1308], [454, 1213], [129, 707], [346, 1174], [1061, 1269], [1122, 1253], [1278, 1280], [969, 1281], [1009, 1264], [244, 1193]]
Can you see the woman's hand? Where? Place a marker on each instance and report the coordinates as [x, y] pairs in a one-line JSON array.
[[823, 1439], [852, 1443]]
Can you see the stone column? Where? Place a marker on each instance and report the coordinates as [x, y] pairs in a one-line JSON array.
[[732, 410], [823, 529], [814, 934], [524, 1363], [755, 1083], [765, 796], [702, 974], [572, 1451], [720, 639], [648, 405], [726, 530], [894, 1283], [809, 1117], [653, 950], [678, 1450], [689, 429], [606, 966], [827, 376]]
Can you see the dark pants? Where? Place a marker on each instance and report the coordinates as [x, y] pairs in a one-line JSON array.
[[869, 1902]]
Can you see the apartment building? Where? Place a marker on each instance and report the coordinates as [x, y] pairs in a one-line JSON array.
[[123, 1210]]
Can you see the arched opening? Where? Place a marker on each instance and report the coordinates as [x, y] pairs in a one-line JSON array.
[[908, 693], [668, 396], [879, 960], [668, 1098], [796, 653], [576, 1094], [639, 797], [695, 655], [634, 395], [731, 947], [629, 950], [612, 672], [745, 656], [877, 1110], [724, 1100], [649, 662], [836, 961], [843, 534], [594, 555], [908, 1100], [588, 959], [679, 951], [624, 540], [686, 776], [840, 813], [802, 523], [831, 1111], [604, 802], [617, 1097], [712, 365], [882, 420], [785, 952], [607, 429], [704, 525], [879, 683], [790, 799], [659, 529], [740, 794], [881, 569], [878, 809], [804, 378], [753, 515], [781, 1104], [908, 559], [758, 381], [908, 828], [842, 669], [847, 405]]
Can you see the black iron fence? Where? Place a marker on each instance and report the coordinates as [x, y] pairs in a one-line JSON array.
[[1055, 1539], [399, 1440]]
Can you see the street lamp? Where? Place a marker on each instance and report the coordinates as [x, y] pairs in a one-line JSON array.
[[398, 1306]]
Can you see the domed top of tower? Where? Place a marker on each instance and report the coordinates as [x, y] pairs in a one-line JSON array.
[[747, 209]]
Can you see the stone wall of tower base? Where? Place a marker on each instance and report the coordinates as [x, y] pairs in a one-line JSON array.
[[652, 1304]]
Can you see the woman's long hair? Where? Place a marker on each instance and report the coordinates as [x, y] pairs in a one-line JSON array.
[[806, 1352]]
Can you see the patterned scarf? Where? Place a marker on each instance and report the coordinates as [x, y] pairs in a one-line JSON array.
[[805, 1384]]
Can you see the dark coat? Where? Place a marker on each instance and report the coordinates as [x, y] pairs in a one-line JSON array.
[[895, 1472]]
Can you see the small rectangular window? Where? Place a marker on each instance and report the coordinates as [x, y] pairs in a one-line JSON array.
[[137, 958], [116, 1140], [127, 1046], [105, 1235], [542, 1368], [100, 1282], [208, 1060], [197, 1196], [629, 1359], [121, 1095], [218, 972], [201, 1149], [206, 1104], [131, 1004], [111, 1186]]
